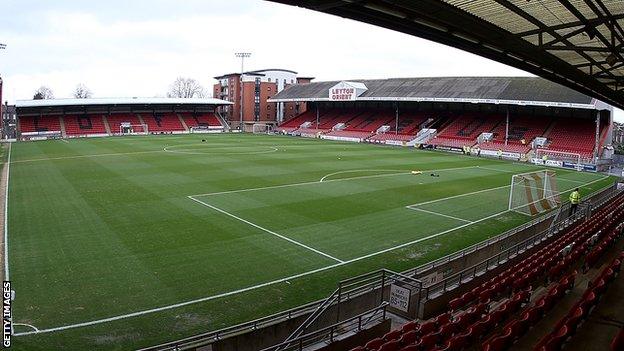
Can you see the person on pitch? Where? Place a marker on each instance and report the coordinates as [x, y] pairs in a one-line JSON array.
[[575, 199]]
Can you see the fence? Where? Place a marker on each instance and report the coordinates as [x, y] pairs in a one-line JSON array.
[[329, 334]]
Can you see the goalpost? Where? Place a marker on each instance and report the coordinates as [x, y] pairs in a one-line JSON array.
[[262, 128], [544, 155], [132, 129], [534, 192]]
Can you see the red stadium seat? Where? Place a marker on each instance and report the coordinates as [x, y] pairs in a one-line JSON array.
[[409, 326], [374, 344], [499, 343], [390, 346], [556, 340], [408, 338], [392, 335], [618, 342]]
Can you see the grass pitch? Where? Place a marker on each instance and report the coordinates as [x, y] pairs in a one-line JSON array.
[[121, 243]]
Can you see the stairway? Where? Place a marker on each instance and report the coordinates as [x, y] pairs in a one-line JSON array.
[[106, 125], [62, 122], [186, 128]]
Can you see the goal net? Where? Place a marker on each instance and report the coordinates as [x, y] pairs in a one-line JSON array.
[[534, 192], [261, 128], [542, 156], [132, 129]]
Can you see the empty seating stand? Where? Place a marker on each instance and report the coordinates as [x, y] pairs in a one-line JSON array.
[[32, 124], [84, 124], [463, 130], [573, 136], [201, 120], [162, 122], [580, 311]]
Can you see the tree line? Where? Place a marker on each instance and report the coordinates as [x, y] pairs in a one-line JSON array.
[[181, 87]]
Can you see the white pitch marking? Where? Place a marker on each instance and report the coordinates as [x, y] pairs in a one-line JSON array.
[[317, 182], [83, 156], [570, 180], [456, 196], [439, 214], [249, 288], [167, 149], [266, 230], [391, 170], [362, 170], [496, 170], [6, 218], [27, 325]]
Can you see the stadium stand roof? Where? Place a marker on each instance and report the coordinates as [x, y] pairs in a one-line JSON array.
[[119, 101], [577, 43], [502, 90]]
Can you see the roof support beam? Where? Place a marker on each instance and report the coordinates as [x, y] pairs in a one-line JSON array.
[[578, 49], [612, 20], [515, 9], [594, 21], [611, 46]]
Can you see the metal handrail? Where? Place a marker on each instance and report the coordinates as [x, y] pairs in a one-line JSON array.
[[313, 316], [357, 321]]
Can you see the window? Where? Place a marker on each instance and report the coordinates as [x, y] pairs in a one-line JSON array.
[[268, 107], [268, 88], [269, 80]]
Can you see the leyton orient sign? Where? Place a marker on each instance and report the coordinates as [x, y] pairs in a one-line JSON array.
[[346, 91]]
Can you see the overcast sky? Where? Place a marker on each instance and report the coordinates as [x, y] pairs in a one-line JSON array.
[[138, 47]]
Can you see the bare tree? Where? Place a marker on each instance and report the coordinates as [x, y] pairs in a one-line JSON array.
[[43, 93], [82, 92], [186, 88]]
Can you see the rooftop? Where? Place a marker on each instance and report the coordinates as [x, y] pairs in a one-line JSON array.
[[500, 90], [120, 101]]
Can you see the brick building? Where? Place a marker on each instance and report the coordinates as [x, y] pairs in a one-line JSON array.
[[257, 87]]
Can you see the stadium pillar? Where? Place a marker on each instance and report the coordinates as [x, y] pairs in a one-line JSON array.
[[317, 116], [506, 124], [396, 119], [596, 151]]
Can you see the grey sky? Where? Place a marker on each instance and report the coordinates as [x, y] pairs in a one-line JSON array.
[[137, 47]]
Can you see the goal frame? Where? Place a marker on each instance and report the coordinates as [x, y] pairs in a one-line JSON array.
[[267, 128], [576, 157], [548, 174], [133, 126]]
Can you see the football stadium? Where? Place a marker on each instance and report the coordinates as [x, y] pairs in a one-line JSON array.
[[396, 214]]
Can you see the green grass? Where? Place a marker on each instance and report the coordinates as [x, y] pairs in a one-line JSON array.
[[104, 227]]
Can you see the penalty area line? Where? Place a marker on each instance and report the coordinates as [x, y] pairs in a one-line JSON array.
[[266, 230], [316, 182], [438, 214]]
